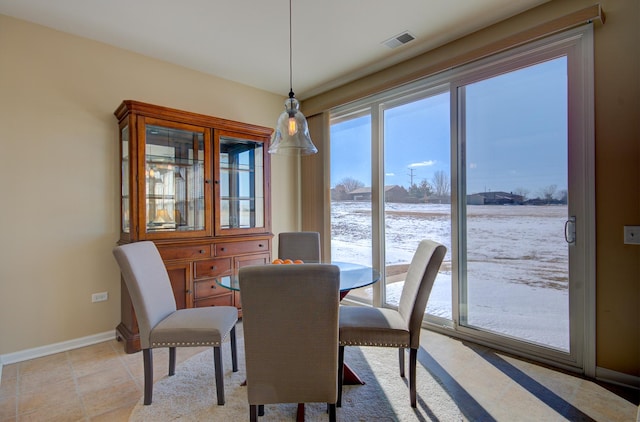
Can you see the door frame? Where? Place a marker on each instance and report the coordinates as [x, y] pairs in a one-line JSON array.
[[577, 46], [579, 42]]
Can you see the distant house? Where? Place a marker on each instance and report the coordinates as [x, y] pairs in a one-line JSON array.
[[438, 199], [395, 193], [392, 193], [339, 193], [475, 199], [360, 194], [494, 198]]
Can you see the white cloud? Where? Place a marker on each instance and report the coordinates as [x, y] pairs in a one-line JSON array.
[[473, 165], [389, 174], [423, 164]]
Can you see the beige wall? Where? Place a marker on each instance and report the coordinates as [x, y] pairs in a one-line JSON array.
[[617, 91], [59, 171]]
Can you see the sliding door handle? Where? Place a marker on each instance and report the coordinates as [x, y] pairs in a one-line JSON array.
[[570, 230]]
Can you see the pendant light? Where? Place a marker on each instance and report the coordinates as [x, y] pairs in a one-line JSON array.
[[291, 135]]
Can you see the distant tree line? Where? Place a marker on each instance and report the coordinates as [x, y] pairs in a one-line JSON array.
[[547, 195], [439, 190]]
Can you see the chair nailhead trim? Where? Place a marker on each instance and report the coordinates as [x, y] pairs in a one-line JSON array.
[[366, 343], [185, 344]]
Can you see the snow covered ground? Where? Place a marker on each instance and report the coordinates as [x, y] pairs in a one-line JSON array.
[[517, 262]]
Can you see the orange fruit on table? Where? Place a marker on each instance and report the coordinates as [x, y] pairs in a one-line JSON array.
[[287, 261], [277, 261], [298, 261]]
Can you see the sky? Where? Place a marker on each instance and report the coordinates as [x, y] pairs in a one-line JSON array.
[[515, 126]]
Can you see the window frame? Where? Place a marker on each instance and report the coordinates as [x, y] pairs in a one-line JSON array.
[[577, 45]]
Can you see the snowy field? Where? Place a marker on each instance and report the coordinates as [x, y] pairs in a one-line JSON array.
[[517, 262]]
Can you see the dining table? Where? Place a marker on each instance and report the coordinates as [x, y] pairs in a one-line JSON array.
[[352, 276]]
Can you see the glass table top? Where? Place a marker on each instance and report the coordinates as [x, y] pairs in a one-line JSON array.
[[352, 276]]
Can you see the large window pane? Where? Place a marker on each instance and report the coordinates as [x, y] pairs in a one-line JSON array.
[[351, 220], [517, 273], [417, 193]]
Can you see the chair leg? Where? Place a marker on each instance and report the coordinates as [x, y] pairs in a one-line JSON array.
[[217, 362], [253, 413], [332, 412], [413, 355], [401, 359], [234, 350], [172, 361], [147, 359], [340, 374]]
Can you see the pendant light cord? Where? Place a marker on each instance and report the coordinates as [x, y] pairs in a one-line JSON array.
[[291, 95]]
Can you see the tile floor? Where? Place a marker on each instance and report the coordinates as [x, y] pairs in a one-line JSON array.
[[102, 383]]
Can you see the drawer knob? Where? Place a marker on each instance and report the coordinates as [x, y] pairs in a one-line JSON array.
[[222, 249], [213, 286], [201, 250], [260, 245], [187, 291], [213, 267]]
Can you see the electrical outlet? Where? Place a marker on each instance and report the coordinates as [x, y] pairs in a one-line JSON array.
[[632, 235], [99, 297]]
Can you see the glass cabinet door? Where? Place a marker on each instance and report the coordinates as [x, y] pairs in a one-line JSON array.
[[125, 201], [176, 198], [240, 185]]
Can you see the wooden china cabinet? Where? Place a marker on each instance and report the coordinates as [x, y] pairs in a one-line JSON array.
[[198, 187]]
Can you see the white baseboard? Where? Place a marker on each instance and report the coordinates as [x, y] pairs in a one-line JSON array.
[[618, 378], [51, 349]]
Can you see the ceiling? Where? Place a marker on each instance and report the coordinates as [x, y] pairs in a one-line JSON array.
[[247, 41]]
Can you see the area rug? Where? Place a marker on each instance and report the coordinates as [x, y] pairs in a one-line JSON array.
[[190, 394]]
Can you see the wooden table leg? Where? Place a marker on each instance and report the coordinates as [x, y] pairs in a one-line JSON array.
[[350, 377]]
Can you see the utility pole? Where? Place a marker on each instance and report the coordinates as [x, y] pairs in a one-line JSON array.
[[411, 170]]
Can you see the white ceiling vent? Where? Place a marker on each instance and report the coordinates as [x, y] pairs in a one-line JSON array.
[[398, 40]]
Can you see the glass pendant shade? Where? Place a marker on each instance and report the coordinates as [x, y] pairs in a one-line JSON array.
[[291, 136]]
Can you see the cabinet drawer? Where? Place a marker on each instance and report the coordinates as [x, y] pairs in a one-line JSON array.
[[206, 288], [213, 267], [220, 300], [184, 252], [236, 248], [246, 260]]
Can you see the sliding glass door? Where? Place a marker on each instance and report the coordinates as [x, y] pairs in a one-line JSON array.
[[514, 138], [524, 157], [495, 161]]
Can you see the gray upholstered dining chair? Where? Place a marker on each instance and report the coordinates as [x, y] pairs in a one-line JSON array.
[[299, 245], [161, 324], [386, 327], [290, 323]]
